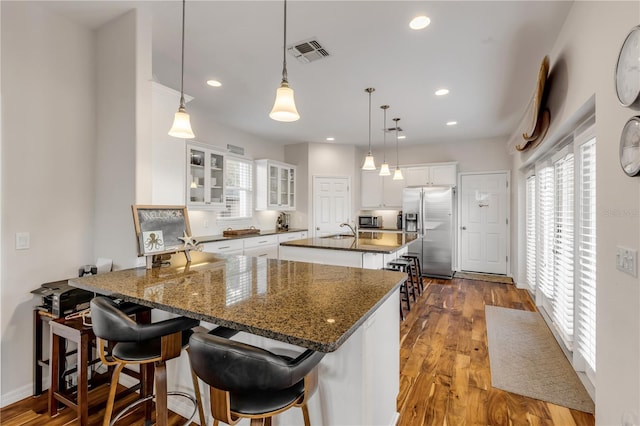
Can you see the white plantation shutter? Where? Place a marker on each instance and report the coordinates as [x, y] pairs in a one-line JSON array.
[[563, 246], [586, 258], [530, 232], [545, 229], [238, 188]]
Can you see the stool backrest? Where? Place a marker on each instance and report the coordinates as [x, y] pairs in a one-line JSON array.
[[238, 367], [110, 323]]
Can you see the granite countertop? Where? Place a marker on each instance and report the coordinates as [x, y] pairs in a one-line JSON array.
[[368, 242], [220, 237], [309, 305]]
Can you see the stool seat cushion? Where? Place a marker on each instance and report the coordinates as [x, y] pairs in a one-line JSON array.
[[143, 351], [263, 402]]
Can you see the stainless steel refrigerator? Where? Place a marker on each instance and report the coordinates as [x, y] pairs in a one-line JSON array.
[[429, 211]]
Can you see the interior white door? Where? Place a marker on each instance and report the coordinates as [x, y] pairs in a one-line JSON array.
[[483, 223], [331, 205]]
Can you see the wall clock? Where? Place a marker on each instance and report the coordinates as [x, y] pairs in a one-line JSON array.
[[630, 147], [628, 69]]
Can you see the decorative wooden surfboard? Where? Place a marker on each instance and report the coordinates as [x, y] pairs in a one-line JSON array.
[[540, 117]]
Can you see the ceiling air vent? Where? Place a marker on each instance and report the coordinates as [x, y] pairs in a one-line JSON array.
[[308, 51]]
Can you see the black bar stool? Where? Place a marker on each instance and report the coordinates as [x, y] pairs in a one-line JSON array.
[[148, 345], [415, 258], [250, 382], [404, 294], [406, 267]]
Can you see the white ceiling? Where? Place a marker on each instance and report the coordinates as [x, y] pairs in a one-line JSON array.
[[486, 53]]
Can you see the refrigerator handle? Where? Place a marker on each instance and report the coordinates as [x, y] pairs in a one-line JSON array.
[[421, 220]]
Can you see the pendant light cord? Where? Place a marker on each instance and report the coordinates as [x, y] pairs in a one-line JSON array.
[[285, 77], [384, 134], [397, 156], [369, 122], [182, 69]]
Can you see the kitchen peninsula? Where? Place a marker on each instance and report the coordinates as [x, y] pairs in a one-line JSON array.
[[372, 249], [349, 313]]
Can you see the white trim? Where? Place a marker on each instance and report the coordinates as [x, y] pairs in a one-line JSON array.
[[16, 395]]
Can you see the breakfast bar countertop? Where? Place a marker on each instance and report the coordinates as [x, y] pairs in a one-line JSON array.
[[310, 305], [368, 242]]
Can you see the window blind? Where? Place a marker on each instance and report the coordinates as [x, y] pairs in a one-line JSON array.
[[545, 230], [238, 189], [586, 258], [563, 248], [530, 232]]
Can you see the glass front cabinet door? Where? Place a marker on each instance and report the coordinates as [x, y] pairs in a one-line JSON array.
[[205, 177], [275, 186]]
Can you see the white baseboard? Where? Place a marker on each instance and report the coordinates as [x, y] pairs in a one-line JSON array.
[[16, 395], [394, 420]]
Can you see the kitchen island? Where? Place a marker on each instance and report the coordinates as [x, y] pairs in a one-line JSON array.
[[349, 313], [372, 250]]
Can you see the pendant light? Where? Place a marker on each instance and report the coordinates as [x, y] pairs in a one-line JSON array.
[[397, 175], [181, 123], [284, 107], [369, 164], [384, 169]]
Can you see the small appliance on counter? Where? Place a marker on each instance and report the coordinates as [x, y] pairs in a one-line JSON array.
[[369, 221], [60, 299], [282, 223]]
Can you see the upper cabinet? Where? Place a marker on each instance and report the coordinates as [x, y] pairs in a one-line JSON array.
[[432, 174], [205, 177], [275, 185], [380, 192]]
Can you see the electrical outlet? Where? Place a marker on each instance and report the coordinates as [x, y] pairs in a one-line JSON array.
[[627, 260]]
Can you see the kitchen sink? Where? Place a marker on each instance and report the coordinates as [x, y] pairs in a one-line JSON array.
[[339, 236]]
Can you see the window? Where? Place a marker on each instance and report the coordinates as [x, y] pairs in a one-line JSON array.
[[560, 242], [238, 189], [586, 259], [530, 224]]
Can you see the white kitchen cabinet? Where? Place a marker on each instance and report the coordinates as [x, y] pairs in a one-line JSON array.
[[205, 177], [275, 186], [291, 236], [431, 174], [224, 247], [380, 192], [263, 246]]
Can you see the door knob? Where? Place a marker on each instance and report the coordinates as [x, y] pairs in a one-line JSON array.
[[317, 228], [463, 228]]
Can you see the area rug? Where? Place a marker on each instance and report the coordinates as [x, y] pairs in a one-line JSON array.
[[483, 277], [526, 359]]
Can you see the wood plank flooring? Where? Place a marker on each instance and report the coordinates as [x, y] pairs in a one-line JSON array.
[[444, 368]]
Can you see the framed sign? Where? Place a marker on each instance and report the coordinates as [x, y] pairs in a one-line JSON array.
[[160, 229]]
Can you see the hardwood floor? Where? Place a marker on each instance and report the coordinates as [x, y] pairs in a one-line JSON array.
[[444, 362], [444, 368]]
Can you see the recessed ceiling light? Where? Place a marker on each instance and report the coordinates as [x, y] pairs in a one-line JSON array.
[[214, 83], [451, 123], [331, 139], [442, 92], [419, 22], [402, 137]]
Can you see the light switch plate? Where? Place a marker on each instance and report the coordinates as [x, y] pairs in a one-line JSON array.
[[627, 260], [22, 240]]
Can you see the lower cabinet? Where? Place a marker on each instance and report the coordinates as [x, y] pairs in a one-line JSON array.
[[266, 246]]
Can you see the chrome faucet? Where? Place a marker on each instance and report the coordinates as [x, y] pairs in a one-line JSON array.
[[354, 231]]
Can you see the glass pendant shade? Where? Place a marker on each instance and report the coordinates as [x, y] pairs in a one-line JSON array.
[[384, 170], [397, 175], [181, 125], [284, 108], [369, 164]]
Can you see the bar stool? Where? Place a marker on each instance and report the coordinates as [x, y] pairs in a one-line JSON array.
[[148, 345], [404, 294], [249, 382], [415, 258], [407, 267]]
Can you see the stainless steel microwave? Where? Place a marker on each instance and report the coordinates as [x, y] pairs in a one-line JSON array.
[[370, 221]]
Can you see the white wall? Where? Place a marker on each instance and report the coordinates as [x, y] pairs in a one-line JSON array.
[[122, 171], [582, 65], [48, 116]]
